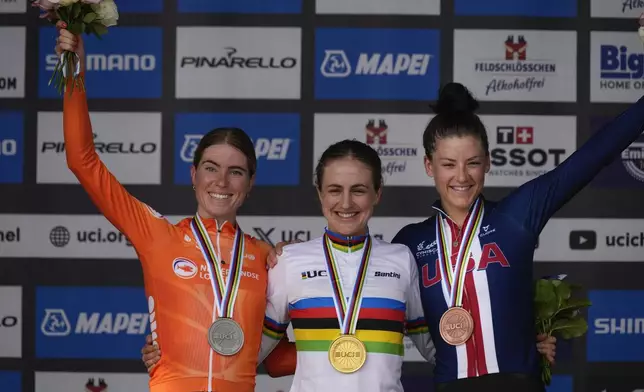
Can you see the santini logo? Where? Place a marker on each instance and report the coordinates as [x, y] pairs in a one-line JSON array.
[[387, 275]]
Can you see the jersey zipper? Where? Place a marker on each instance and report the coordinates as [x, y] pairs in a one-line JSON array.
[[218, 246], [349, 244]]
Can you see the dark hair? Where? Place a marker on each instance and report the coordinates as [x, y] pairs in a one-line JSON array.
[[351, 149], [454, 117], [234, 137]]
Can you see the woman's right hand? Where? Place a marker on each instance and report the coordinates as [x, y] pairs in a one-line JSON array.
[[67, 41], [151, 353]]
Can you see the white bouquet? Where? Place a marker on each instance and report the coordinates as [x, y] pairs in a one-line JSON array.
[[80, 16]]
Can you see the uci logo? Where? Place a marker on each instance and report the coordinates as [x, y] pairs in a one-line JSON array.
[[313, 274]]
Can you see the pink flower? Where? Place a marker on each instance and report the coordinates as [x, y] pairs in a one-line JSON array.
[[48, 7], [45, 5]]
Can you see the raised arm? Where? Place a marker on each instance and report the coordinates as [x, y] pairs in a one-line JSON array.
[[130, 216], [416, 326], [536, 201]]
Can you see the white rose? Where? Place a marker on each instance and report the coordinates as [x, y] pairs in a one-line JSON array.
[[106, 12], [65, 3]]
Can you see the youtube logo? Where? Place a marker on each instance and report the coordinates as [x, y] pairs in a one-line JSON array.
[[583, 239]]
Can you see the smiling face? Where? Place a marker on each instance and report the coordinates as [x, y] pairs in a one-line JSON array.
[[347, 196], [221, 182], [458, 166]]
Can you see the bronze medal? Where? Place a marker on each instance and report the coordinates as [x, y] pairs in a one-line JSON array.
[[456, 326]]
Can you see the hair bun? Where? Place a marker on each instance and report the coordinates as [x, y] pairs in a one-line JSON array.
[[454, 98]]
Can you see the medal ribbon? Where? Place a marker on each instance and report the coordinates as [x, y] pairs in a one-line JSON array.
[[347, 313], [225, 291], [454, 277]]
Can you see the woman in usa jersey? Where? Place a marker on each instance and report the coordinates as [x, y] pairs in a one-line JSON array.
[[476, 256]]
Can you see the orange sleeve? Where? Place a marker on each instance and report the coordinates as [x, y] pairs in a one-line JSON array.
[[131, 217], [282, 360]]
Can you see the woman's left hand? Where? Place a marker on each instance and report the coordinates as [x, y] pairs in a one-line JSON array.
[[546, 346]]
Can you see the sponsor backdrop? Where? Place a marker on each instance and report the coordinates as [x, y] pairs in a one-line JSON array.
[[298, 75]]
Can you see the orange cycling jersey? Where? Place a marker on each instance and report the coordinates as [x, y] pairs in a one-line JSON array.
[[179, 293]]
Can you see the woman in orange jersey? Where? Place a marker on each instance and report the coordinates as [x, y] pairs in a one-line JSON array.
[[209, 325]]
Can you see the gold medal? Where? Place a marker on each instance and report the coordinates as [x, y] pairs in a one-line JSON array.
[[347, 354]]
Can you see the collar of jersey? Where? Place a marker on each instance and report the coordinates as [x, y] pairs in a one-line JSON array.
[[346, 243], [222, 226], [438, 206]]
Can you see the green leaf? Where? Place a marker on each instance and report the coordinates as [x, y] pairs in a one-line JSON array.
[[76, 28], [570, 328], [566, 314], [545, 310], [572, 308], [544, 291], [99, 29], [562, 289], [76, 9], [89, 18], [545, 300], [89, 28], [577, 303]]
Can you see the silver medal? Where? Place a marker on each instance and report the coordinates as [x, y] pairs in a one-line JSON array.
[[225, 336]]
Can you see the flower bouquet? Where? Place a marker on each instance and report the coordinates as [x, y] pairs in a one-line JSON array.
[[79, 16], [556, 312]]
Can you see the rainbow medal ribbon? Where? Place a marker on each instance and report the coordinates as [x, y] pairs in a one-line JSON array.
[[347, 353], [456, 325], [225, 335]]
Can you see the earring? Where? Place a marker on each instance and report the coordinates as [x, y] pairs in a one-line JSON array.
[[193, 188]]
